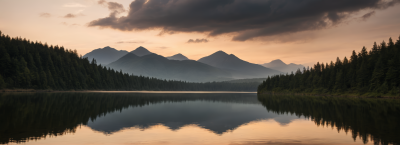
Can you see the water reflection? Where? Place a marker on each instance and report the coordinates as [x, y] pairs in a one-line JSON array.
[[235, 118], [219, 117], [376, 120], [33, 116]]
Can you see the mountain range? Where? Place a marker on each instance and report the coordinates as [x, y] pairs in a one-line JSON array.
[[178, 57], [283, 67], [218, 66], [157, 66], [141, 51], [108, 55], [239, 68], [105, 55]]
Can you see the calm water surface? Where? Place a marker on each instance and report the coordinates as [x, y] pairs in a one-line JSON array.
[[195, 118]]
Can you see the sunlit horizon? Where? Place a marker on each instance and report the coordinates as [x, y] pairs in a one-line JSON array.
[[47, 21]]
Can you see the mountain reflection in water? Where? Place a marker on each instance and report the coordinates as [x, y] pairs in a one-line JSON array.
[[33, 116], [215, 115]]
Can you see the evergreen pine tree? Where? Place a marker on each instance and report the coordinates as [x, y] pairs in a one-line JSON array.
[[398, 43], [43, 80], [2, 82], [5, 62]]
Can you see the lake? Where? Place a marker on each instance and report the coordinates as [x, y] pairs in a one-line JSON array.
[[223, 118]]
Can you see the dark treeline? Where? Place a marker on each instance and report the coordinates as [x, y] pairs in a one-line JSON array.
[[374, 72], [370, 119], [26, 64], [33, 116]]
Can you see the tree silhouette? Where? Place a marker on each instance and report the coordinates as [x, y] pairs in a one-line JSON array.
[[33, 65], [369, 119], [374, 72]]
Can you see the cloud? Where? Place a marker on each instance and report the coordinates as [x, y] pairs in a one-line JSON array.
[[45, 15], [367, 15], [101, 2], [162, 47], [197, 41], [74, 5], [70, 15], [66, 24], [114, 7], [242, 19]]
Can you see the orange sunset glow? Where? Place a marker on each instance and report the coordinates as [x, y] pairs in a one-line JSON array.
[[48, 21], [257, 132], [200, 72]]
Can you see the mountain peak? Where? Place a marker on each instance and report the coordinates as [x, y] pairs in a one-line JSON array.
[[105, 55], [141, 47], [239, 67], [277, 61], [220, 53], [281, 66], [141, 51], [178, 56], [108, 47], [218, 56]]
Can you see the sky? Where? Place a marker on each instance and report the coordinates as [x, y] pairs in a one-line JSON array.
[[258, 31]]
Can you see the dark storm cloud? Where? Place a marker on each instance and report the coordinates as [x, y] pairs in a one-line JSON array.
[[367, 15], [197, 41], [246, 19]]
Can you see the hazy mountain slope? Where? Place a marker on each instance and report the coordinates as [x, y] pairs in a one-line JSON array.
[[178, 57], [105, 55], [154, 65], [141, 51], [283, 67], [124, 61], [239, 68], [253, 80]]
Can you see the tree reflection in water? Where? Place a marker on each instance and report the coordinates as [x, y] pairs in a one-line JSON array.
[[377, 120], [32, 116]]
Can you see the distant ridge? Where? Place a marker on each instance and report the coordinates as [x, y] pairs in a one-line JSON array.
[[141, 51], [157, 66], [218, 66], [178, 57], [283, 67], [105, 55], [124, 61], [241, 69]]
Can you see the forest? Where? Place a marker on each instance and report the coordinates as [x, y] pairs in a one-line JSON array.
[[25, 64], [373, 73]]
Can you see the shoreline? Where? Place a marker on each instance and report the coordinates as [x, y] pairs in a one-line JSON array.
[[366, 95], [106, 91]]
